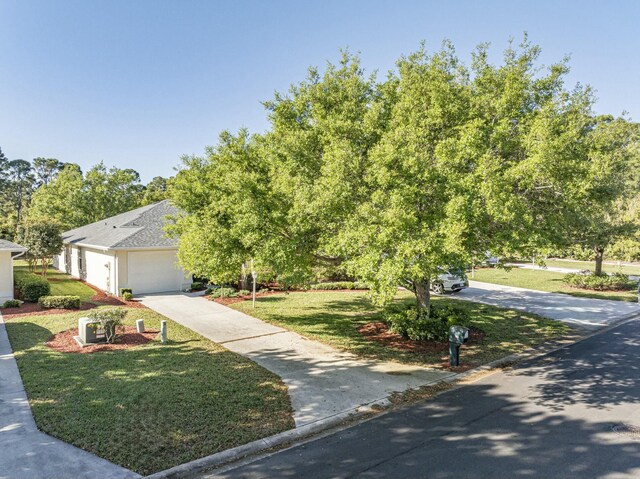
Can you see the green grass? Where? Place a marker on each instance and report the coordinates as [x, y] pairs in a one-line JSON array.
[[62, 284], [150, 407], [590, 265], [550, 281], [333, 318]]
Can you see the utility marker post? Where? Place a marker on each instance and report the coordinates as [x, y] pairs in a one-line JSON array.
[[254, 274]]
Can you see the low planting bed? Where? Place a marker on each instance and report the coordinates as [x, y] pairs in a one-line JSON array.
[[349, 321], [151, 406]]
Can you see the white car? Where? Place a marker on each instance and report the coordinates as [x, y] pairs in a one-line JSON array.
[[450, 282]]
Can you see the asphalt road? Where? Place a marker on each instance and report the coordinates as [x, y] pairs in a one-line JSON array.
[[551, 417]]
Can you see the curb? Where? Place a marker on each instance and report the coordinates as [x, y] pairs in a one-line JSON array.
[[359, 414], [292, 435]]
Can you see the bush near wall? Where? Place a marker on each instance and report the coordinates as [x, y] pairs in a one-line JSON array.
[[60, 302], [32, 287], [11, 303]]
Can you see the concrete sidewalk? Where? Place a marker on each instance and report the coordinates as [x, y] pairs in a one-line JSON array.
[[322, 381], [586, 313], [27, 453]]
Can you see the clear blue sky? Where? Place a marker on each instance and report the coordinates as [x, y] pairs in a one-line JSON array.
[[139, 83]]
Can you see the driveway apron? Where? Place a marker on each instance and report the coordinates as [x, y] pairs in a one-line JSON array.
[[27, 453], [322, 381]]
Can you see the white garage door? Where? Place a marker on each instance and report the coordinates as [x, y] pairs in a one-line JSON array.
[[154, 272]]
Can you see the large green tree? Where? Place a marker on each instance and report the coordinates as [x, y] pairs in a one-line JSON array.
[[397, 180], [277, 198]]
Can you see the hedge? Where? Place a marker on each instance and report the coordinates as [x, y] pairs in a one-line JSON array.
[[32, 287], [60, 302], [339, 285]]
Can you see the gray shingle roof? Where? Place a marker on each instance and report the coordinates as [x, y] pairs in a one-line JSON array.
[[9, 246], [139, 228]]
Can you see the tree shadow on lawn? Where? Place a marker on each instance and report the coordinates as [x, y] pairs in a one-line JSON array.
[[336, 322], [150, 407]]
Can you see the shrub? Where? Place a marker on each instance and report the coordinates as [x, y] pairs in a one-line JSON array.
[[123, 291], [32, 287], [432, 328], [223, 293], [263, 290], [108, 320], [127, 296], [588, 280], [339, 285], [197, 286], [59, 302], [244, 292], [11, 303]]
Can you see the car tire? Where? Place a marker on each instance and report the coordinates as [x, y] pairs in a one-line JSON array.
[[438, 288]]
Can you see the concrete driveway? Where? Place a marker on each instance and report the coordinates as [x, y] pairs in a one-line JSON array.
[[322, 381], [27, 453], [586, 313]]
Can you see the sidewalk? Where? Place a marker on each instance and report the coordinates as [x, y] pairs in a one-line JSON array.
[[27, 453], [322, 381]]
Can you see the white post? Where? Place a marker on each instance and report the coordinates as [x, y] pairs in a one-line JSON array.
[[163, 331], [140, 325], [255, 275]]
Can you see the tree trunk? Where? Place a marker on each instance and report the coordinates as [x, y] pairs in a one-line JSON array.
[[599, 256], [423, 296]]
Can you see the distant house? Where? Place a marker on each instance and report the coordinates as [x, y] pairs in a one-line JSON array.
[[8, 251], [129, 250]]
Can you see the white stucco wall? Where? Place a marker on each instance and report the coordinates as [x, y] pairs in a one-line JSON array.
[[151, 271], [112, 270], [6, 276], [91, 265]]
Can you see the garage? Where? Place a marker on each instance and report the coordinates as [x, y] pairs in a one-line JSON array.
[[154, 272]]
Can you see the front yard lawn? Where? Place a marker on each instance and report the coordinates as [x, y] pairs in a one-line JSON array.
[[150, 407], [542, 280], [590, 265], [62, 284], [333, 318]]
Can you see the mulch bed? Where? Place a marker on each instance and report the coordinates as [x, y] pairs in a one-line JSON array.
[[129, 337], [380, 333], [98, 299]]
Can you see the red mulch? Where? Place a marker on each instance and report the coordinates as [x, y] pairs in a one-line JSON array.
[[380, 333], [34, 309], [63, 342]]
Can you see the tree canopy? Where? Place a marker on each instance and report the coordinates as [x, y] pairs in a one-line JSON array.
[[396, 180]]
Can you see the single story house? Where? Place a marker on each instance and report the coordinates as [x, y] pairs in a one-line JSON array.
[[129, 250], [8, 251]]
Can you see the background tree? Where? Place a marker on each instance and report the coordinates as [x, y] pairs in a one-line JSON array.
[[156, 190], [18, 187], [61, 199], [76, 199], [605, 206], [42, 239], [46, 169]]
